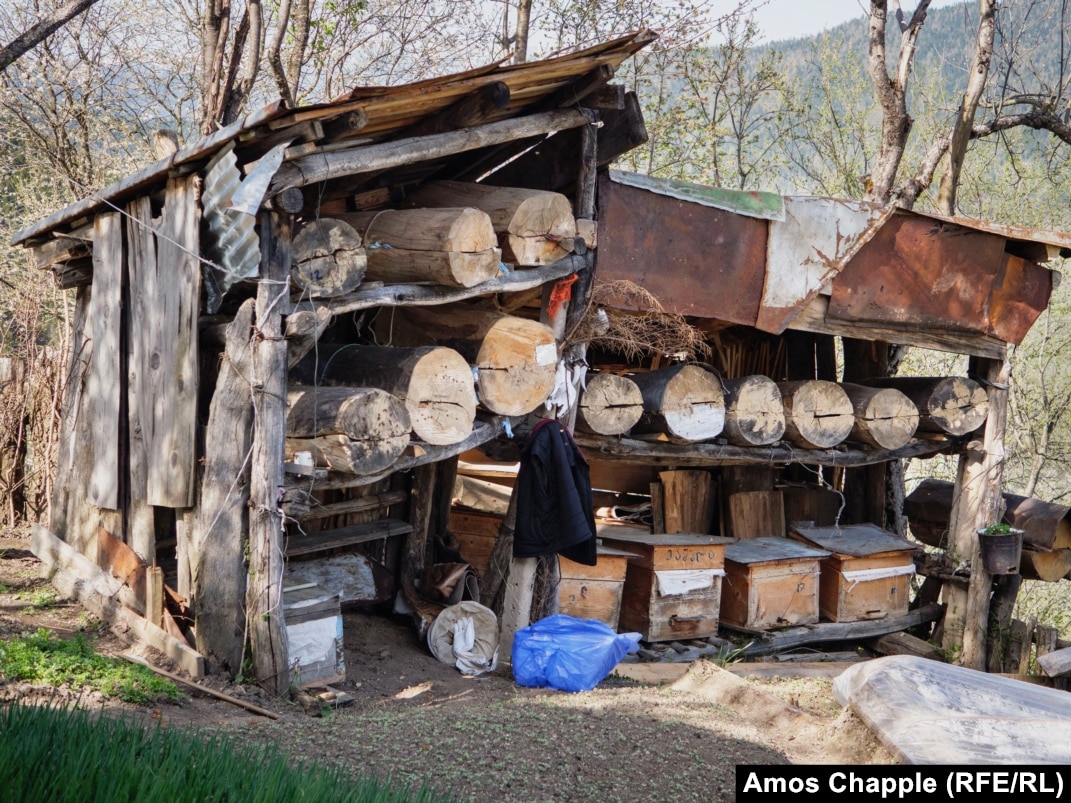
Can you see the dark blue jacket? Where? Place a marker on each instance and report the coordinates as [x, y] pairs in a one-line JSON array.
[[555, 512]]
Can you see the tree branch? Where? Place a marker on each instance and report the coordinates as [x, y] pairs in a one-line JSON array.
[[1041, 121], [976, 82], [43, 29]]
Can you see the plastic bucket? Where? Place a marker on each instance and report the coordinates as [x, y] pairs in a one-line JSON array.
[[1001, 553]]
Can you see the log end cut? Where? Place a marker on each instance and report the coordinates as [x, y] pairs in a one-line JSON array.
[[441, 398], [328, 259], [818, 414], [686, 402], [884, 418], [517, 361], [958, 405], [611, 405], [754, 411]]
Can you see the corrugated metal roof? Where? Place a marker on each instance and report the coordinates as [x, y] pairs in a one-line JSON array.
[[384, 113]]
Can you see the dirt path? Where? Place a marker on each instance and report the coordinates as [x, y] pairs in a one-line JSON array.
[[418, 720]]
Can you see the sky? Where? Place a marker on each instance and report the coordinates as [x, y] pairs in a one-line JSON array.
[[789, 19]]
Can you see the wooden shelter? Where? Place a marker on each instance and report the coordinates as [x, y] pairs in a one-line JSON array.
[[287, 332]]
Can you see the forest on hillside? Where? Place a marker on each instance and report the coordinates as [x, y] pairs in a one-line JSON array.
[[79, 111]]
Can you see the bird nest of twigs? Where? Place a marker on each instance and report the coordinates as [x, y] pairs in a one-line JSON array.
[[624, 318]]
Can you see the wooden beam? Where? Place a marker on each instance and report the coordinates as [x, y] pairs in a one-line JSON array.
[[215, 548], [320, 167], [465, 113], [770, 643], [417, 295], [264, 598], [977, 503], [697, 455], [76, 577]]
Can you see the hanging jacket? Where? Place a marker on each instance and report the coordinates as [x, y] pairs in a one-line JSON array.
[[555, 512]]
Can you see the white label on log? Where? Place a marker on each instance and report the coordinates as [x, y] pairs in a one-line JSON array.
[[546, 354]]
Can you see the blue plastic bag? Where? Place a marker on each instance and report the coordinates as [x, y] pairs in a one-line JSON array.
[[569, 654]]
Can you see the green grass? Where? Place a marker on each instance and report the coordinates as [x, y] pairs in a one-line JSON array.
[[42, 658], [40, 599], [70, 756]]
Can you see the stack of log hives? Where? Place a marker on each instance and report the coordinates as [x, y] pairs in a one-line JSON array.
[[420, 370], [689, 403]]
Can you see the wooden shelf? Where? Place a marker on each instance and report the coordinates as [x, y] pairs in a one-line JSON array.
[[768, 643], [346, 536], [698, 455], [397, 295], [482, 432]]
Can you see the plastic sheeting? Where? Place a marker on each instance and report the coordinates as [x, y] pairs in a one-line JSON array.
[[927, 712]]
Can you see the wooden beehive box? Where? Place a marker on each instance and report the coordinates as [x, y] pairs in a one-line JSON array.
[[594, 592], [867, 574], [770, 582], [673, 586], [475, 532], [313, 618]]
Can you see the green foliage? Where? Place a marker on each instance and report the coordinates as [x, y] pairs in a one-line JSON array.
[[70, 756], [998, 529], [40, 599], [43, 658]]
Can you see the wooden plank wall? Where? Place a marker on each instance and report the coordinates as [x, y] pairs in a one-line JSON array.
[[139, 310], [104, 376], [172, 374]]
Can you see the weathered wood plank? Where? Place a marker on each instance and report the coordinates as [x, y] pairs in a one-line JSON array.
[[77, 577], [264, 596], [173, 359], [138, 309], [424, 295], [346, 536], [104, 384], [812, 318], [769, 643], [217, 571], [658, 453]]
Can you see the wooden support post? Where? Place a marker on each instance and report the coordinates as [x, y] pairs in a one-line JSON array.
[[264, 598], [418, 544], [154, 595], [1005, 590], [977, 503], [517, 605], [215, 569]]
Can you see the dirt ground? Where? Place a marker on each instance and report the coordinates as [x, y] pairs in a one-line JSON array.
[[418, 721]]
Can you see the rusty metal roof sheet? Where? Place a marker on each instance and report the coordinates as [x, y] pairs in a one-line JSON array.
[[386, 112], [696, 259], [924, 273], [747, 259]]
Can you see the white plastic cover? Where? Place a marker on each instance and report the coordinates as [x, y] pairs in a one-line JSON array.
[[928, 712], [681, 581]]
